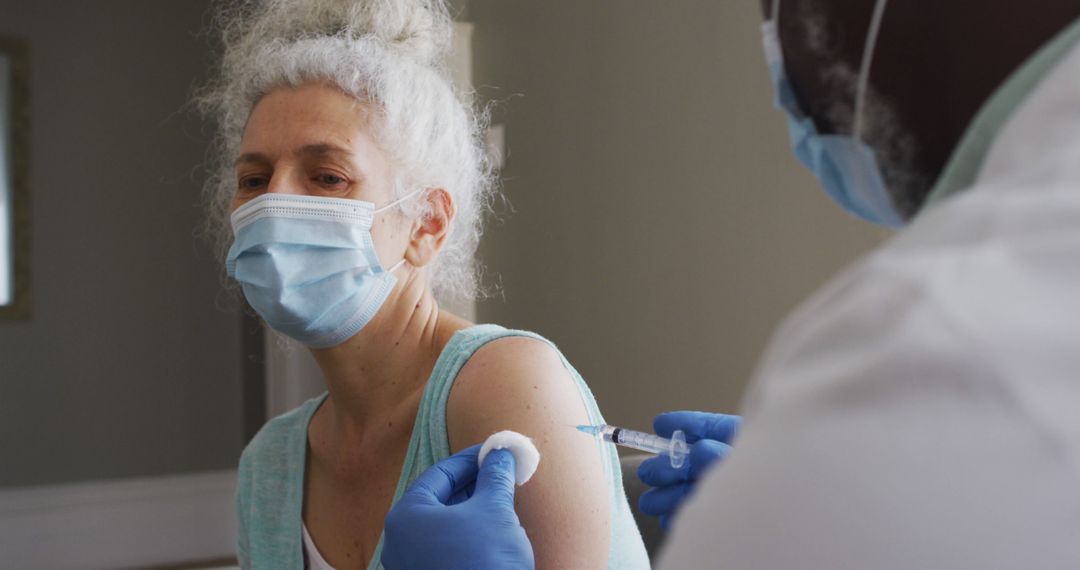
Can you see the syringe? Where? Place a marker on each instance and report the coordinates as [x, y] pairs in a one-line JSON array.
[[675, 448]]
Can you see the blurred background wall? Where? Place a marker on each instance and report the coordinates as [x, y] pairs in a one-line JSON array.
[[122, 413], [660, 227], [130, 365]]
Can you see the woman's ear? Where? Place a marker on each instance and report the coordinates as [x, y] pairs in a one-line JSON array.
[[430, 231]]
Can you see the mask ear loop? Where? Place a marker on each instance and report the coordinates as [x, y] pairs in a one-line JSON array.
[[864, 68], [396, 266], [861, 166], [398, 201], [391, 205], [867, 59]]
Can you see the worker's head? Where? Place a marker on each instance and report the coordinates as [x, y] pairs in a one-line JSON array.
[[933, 66]]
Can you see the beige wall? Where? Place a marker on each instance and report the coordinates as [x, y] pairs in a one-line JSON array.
[[661, 227]]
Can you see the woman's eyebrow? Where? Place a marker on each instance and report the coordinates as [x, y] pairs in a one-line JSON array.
[[251, 157], [322, 149], [314, 150]]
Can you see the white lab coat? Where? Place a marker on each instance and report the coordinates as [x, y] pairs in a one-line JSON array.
[[922, 411]]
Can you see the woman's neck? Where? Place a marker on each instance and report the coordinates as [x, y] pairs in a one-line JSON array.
[[380, 373]]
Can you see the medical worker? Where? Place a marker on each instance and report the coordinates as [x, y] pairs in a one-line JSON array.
[[922, 411]]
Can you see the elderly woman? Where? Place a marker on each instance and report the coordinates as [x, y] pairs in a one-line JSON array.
[[352, 178]]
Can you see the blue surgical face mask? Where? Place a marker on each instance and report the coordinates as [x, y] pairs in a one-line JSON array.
[[308, 266], [844, 164]]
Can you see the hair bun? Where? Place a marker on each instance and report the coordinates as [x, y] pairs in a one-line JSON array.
[[417, 29]]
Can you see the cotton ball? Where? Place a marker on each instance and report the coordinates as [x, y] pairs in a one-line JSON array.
[[526, 456]]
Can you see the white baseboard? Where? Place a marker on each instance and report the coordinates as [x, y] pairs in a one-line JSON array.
[[110, 525]]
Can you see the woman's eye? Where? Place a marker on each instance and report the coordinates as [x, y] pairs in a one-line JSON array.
[[249, 183], [329, 179]]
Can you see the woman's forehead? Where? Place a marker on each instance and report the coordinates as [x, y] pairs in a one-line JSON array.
[[315, 117]]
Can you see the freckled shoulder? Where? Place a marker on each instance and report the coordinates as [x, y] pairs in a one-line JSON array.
[[523, 384], [518, 383]]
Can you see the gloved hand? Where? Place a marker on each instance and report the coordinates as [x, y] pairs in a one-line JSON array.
[[456, 518], [710, 437]]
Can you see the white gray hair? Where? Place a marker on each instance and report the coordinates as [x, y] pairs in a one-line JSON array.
[[389, 53]]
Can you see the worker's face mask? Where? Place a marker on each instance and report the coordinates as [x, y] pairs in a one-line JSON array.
[[844, 164], [307, 265]]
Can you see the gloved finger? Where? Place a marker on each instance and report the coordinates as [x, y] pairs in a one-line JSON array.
[[462, 495], [703, 455], [658, 472], [446, 478], [663, 500], [698, 425], [665, 522], [496, 479]]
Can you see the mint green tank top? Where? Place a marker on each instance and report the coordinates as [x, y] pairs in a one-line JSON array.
[[270, 487]]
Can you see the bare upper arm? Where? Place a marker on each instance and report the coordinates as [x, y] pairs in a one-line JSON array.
[[520, 384]]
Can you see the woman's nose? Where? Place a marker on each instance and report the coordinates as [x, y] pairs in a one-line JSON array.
[[284, 182]]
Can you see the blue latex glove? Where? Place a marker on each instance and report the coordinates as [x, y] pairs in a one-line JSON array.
[[710, 437], [458, 516]]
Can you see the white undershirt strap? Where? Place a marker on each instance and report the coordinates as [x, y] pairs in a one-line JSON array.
[[315, 561]]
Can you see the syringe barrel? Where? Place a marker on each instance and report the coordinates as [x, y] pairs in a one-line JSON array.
[[675, 448], [638, 440]]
